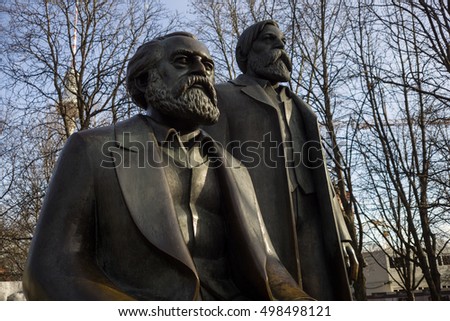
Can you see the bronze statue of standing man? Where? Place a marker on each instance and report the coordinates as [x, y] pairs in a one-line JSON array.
[[276, 135]]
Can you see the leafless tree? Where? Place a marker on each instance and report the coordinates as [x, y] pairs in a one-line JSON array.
[[402, 141], [63, 69], [72, 55], [432, 22]]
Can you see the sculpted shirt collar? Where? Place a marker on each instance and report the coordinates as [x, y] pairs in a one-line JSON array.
[[165, 134], [185, 149]]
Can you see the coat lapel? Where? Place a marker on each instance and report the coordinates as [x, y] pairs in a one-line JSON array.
[[145, 189]]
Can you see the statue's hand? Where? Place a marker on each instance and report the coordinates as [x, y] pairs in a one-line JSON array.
[[350, 260], [282, 285]]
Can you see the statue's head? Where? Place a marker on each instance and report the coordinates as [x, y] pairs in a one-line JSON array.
[[174, 75], [260, 52]]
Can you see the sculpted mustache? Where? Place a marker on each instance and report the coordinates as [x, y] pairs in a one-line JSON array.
[[191, 81], [279, 54]]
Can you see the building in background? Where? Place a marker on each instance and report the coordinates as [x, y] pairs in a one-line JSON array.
[[382, 278]]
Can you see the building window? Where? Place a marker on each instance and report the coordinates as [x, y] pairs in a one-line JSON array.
[[443, 260], [446, 259], [396, 262]]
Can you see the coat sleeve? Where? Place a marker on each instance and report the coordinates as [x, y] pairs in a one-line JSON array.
[[61, 263]]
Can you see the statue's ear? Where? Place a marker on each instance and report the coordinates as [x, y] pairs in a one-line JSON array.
[[239, 55], [141, 82], [241, 59]]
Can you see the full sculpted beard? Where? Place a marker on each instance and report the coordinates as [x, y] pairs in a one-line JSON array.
[[274, 65], [193, 99]]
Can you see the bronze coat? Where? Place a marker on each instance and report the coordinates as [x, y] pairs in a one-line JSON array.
[[108, 229], [248, 118]]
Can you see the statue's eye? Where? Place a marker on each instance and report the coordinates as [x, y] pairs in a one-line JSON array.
[[208, 65], [269, 37], [180, 60]]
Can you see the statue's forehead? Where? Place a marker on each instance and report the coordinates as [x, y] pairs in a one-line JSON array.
[[174, 44]]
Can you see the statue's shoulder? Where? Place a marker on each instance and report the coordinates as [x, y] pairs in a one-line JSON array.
[[102, 134], [224, 87], [132, 123], [100, 131], [234, 84], [229, 90]]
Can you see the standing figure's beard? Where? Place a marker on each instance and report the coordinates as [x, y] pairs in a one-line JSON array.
[[273, 65], [193, 99]]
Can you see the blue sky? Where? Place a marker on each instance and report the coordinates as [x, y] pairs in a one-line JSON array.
[[180, 5]]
